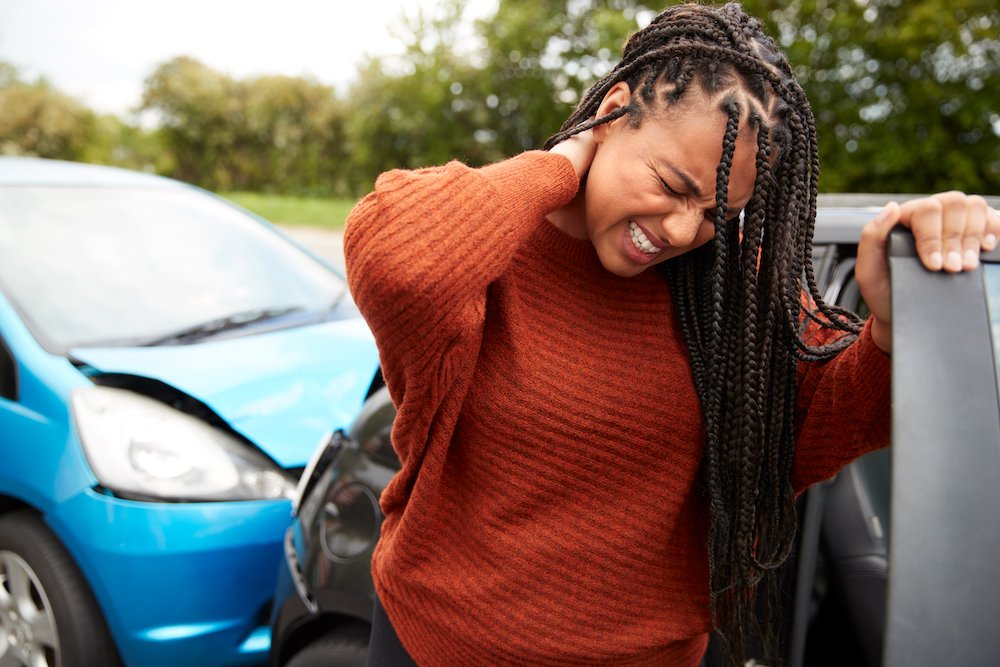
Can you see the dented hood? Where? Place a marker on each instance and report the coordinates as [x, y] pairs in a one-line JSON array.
[[282, 390]]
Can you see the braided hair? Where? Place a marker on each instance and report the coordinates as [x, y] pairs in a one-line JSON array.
[[744, 300]]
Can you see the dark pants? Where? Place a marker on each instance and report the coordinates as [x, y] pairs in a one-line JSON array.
[[384, 648]]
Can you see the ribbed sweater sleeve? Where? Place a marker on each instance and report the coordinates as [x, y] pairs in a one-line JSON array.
[[843, 410], [421, 251]]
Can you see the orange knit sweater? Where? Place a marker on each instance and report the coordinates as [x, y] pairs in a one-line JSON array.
[[548, 510]]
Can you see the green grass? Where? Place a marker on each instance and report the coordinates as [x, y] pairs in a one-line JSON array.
[[303, 211]]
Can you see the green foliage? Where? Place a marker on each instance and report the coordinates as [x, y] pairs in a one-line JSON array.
[[500, 91], [904, 92], [275, 133], [904, 95], [421, 107], [37, 120], [291, 210]]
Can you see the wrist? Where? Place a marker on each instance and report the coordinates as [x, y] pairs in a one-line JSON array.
[[881, 333], [579, 150]]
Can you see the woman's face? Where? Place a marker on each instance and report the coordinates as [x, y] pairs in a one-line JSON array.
[[650, 191]]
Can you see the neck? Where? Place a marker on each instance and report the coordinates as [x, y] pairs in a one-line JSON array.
[[571, 218]]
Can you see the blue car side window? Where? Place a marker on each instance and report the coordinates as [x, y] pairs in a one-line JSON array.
[[8, 373]]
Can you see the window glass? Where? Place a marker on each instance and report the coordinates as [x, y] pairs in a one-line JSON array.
[[991, 274], [96, 265]]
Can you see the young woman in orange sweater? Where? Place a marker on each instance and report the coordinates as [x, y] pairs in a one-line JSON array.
[[612, 369]]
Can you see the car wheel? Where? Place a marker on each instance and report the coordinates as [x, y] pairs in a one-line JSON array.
[[48, 616], [347, 647]]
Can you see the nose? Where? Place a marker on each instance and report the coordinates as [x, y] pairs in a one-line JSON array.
[[680, 227]]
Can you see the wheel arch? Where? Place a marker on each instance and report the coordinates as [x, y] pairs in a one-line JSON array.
[[10, 503], [305, 633], [49, 558]]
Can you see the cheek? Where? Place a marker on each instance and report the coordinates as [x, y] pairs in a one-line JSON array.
[[705, 233]]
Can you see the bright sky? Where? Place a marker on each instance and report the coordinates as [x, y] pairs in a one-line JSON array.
[[101, 50]]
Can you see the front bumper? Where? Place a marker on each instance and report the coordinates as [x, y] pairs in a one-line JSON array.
[[313, 586], [179, 583], [294, 607]]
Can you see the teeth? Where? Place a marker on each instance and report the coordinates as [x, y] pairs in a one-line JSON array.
[[640, 240]]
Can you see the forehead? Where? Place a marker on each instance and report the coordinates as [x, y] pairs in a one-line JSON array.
[[688, 136]]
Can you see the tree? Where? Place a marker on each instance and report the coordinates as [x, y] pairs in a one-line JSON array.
[[39, 121], [422, 106], [903, 95], [293, 138], [199, 115], [543, 55], [276, 133], [481, 95], [901, 91]]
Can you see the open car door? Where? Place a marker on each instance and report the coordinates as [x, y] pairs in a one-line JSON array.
[[944, 553]]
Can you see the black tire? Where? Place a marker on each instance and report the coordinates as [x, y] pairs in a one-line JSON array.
[[345, 647], [36, 569]]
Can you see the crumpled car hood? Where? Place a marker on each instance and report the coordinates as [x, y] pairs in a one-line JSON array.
[[282, 389]]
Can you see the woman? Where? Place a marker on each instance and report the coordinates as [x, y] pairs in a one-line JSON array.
[[612, 368]]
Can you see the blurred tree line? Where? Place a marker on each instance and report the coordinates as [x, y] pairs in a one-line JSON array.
[[905, 95], [36, 119]]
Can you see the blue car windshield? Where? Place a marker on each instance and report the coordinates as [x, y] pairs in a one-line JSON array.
[[107, 265]]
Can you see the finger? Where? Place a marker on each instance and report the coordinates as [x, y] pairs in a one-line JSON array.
[[923, 217], [975, 231], [871, 268], [992, 236], [954, 220]]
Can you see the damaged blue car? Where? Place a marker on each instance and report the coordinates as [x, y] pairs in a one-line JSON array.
[[168, 363]]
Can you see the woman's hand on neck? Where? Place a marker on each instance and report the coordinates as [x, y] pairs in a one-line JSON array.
[[579, 149]]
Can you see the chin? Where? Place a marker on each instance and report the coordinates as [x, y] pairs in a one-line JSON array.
[[621, 267]]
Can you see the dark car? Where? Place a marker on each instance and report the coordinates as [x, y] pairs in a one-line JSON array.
[[843, 605]]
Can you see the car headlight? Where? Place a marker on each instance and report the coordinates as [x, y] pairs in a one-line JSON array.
[[140, 447]]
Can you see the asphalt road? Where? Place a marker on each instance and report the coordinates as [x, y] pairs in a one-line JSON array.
[[327, 244]]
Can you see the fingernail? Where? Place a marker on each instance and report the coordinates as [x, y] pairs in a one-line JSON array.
[[990, 241], [954, 261], [935, 260], [971, 258], [883, 215]]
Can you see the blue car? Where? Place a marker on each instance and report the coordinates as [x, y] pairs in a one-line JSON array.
[[168, 363]]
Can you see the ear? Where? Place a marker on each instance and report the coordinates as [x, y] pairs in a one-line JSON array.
[[619, 95]]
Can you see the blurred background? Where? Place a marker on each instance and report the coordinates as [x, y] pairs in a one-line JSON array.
[[293, 108]]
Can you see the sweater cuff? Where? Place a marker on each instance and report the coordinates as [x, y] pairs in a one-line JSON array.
[[534, 183]]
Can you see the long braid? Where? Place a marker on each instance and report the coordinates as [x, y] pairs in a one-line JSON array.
[[744, 299], [715, 407]]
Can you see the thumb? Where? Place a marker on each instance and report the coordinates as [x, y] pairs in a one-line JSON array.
[[872, 267], [875, 235], [888, 217]]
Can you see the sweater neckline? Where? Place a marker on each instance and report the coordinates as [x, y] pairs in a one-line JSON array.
[[578, 250]]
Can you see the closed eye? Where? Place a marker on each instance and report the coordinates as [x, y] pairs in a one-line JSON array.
[[666, 186]]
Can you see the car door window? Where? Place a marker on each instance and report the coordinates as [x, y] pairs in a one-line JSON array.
[[991, 279]]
